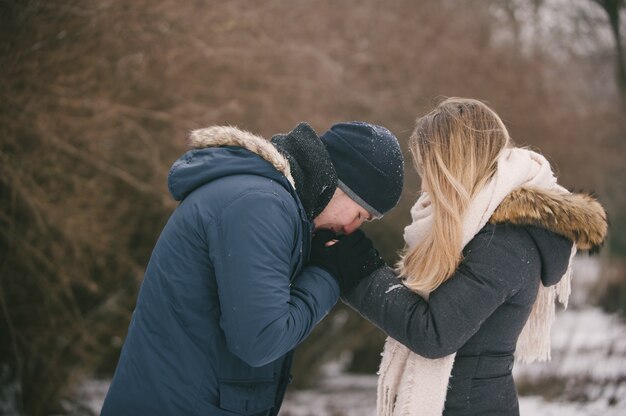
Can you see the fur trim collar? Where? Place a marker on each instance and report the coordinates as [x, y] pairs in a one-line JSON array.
[[216, 136], [311, 167], [578, 217]]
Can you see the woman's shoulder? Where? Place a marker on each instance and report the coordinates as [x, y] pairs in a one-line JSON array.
[[501, 234], [522, 248]]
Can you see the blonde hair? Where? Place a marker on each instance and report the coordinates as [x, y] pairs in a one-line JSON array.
[[455, 148]]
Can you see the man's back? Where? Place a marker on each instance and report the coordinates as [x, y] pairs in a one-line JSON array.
[[227, 295], [210, 317]]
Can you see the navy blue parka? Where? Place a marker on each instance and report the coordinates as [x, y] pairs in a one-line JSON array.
[[226, 295]]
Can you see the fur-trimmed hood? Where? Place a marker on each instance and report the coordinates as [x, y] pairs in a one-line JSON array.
[[219, 151], [578, 217], [215, 136]]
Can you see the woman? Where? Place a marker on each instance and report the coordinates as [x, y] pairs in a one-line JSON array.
[[489, 249]]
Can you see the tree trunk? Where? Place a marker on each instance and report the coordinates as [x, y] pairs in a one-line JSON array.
[[612, 9]]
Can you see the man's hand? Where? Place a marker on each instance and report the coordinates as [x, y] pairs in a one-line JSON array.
[[349, 259]]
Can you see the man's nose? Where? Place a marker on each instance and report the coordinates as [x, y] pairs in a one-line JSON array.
[[350, 228]]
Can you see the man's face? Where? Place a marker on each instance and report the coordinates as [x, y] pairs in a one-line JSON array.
[[341, 215]]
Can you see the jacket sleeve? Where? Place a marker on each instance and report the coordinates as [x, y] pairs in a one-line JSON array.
[[263, 314], [491, 272]]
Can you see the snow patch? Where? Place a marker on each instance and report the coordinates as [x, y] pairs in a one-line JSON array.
[[394, 287]]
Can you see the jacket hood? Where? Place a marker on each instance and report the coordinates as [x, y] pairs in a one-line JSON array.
[[577, 218], [219, 151]]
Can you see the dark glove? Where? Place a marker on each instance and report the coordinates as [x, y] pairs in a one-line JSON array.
[[349, 260]]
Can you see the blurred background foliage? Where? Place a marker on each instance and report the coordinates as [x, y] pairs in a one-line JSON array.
[[97, 97]]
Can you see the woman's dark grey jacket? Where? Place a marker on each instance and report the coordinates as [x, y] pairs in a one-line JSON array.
[[478, 313]]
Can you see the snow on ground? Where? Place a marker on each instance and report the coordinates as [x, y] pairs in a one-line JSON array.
[[537, 406], [360, 400], [586, 343]]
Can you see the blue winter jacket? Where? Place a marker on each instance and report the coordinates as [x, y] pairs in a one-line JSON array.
[[225, 297]]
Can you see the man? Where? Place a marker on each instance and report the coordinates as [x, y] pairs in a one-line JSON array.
[[227, 293]]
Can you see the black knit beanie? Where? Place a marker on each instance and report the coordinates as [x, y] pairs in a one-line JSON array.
[[369, 164]]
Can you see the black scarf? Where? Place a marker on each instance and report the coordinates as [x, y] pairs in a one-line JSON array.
[[311, 167]]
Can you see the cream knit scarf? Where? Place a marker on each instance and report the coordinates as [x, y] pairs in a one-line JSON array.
[[409, 384]]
